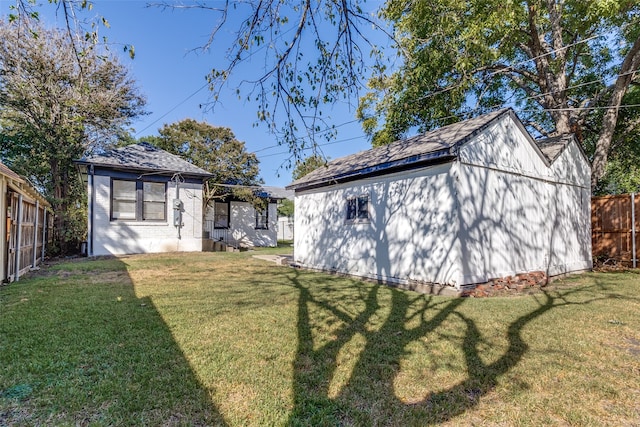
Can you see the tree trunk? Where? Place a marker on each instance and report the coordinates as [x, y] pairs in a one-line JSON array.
[[610, 118]]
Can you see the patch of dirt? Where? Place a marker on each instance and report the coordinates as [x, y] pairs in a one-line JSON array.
[[633, 346]]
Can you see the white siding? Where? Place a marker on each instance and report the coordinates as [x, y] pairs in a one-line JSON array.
[[411, 235], [572, 168], [570, 232], [518, 214], [242, 225], [503, 146], [498, 210], [127, 237]]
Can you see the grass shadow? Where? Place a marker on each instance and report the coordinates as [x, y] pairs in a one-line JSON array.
[[78, 347], [352, 378]]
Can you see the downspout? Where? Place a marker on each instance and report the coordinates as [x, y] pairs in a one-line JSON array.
[[179, 224], [18, 240], [91, 208]]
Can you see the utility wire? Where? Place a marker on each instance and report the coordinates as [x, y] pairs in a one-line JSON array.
[[205, 85]]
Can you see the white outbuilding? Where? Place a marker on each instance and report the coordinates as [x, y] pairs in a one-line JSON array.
[[446, 210]]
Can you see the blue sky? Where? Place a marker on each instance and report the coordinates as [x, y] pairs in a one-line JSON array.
[[171, 74]]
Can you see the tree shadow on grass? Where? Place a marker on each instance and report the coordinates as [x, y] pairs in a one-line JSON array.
[[83, 349], [367, 394]]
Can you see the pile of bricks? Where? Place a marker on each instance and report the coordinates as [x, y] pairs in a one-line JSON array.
[[509, 284]]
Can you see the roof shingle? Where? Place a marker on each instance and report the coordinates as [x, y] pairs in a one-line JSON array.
[[436, 144], [143, 156], [554, 146]]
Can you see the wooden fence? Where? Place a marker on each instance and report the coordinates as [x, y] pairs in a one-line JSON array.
[[615, 228], [28, 225]]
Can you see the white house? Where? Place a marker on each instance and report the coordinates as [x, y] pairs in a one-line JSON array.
[[239, 223], [143, 199], [456, 206]]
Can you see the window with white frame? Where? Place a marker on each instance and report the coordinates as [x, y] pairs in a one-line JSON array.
[[138, 200], [220, 215], [262, 218], [358, 208]]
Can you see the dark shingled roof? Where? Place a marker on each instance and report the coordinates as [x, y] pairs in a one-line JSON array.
[[277, 192], [146, 157], [437, 144], [554, 146]]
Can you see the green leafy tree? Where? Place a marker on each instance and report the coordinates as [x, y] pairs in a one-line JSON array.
[[286, 208], [315, 54], [308, 165], [553, 59], [56, 105], [216, 150], [622, 174]]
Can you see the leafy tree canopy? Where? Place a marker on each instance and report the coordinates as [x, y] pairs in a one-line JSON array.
[[622, 174], [554, 60], [56, 105], [216, 150], [308, 165], [286, 208]]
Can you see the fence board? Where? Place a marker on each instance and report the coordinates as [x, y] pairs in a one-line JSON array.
[[611, 227], [24, 236]]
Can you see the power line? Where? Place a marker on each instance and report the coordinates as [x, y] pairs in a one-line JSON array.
[[317, 145], [205, 85], [608, 107], [321, 132], [450, 88], [172, 109]]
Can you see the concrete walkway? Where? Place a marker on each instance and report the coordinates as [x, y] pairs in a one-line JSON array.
[[278, 259]]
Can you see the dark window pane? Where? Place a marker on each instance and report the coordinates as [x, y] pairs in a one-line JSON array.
[[221, 215], [262, 219], [363, 207], [351, 209]]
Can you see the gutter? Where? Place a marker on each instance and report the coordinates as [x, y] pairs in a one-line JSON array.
[[408, 163]]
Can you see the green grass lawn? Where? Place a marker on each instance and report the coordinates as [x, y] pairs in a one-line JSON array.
[[225, 339]]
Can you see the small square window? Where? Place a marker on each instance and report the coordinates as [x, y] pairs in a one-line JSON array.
[[358, 208]]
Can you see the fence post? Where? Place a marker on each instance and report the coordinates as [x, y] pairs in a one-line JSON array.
[[633, 230], [18, 240], [44, 232], [34, 262]]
